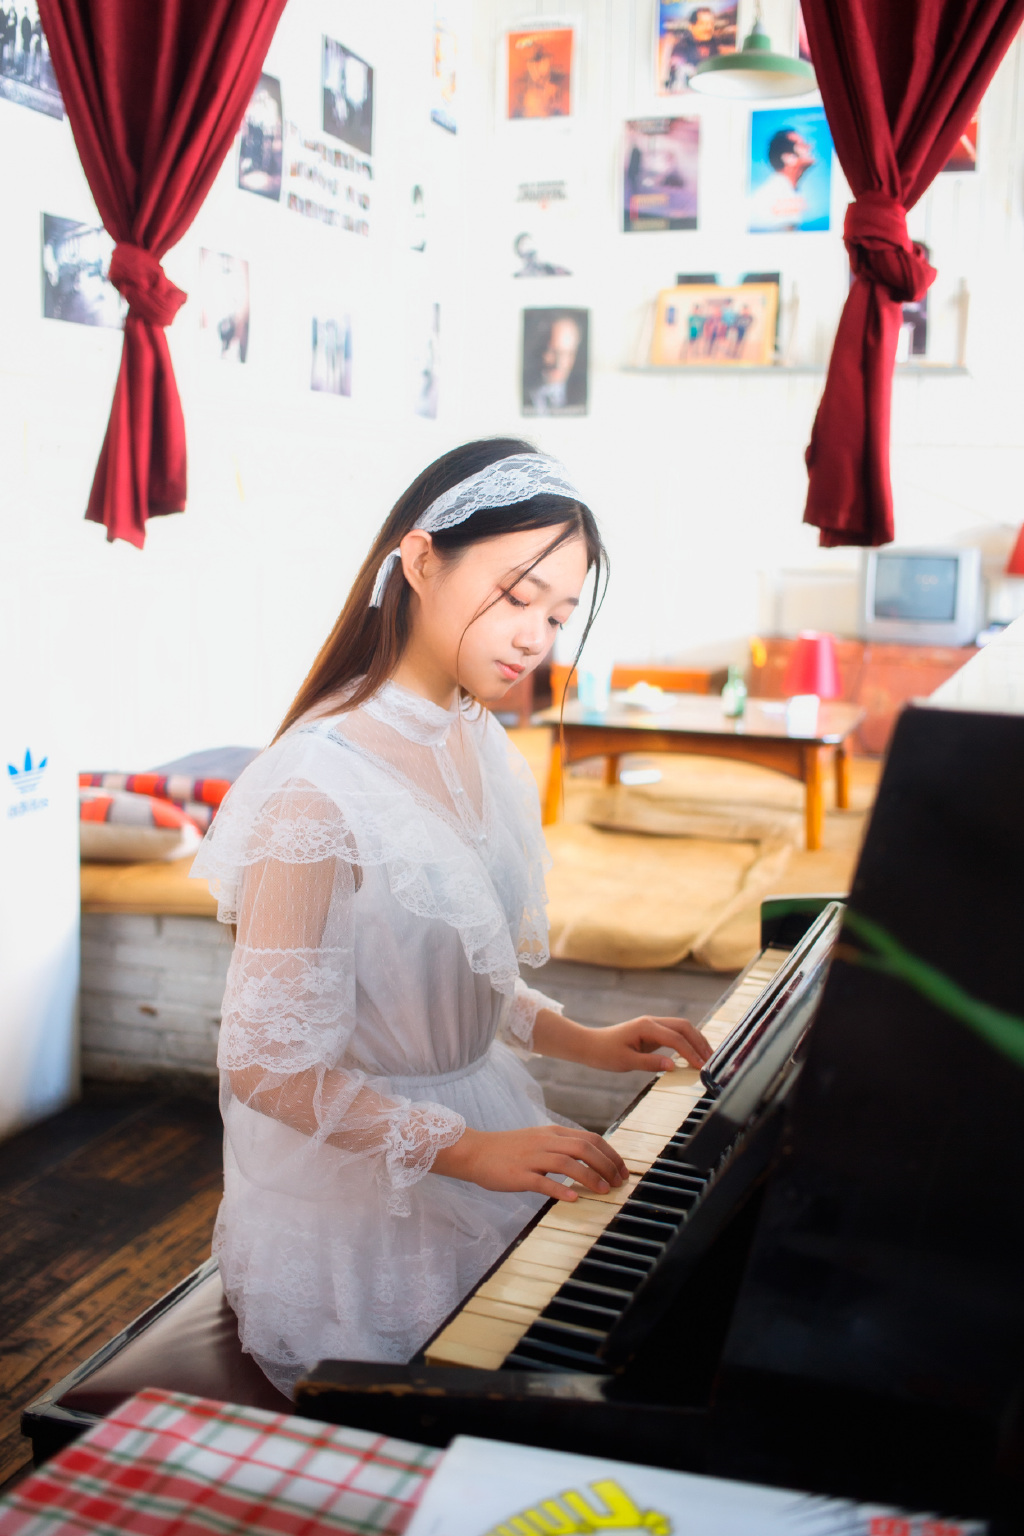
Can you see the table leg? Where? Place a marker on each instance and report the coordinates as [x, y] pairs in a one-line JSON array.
[[553, 793], [611, 770], [814, 805], [842, 777]]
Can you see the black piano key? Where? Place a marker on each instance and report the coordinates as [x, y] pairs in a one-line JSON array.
[[588, 1290], [665, 1198], [642, 1228], [628, 1248], [539, 1355], [599, 1269], [564, 1308]]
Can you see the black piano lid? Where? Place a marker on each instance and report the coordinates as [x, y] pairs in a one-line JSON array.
[[889, 1256]]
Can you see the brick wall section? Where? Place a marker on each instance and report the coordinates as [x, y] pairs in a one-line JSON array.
[[152, 989], [151, 994]]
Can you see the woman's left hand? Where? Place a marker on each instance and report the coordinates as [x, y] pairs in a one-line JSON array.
[[634, 1046]]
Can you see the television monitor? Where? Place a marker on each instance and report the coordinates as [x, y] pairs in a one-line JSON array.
[[928, 596]]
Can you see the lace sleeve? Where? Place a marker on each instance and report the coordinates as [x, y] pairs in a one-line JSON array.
[[517, 1026], [289, 1009]]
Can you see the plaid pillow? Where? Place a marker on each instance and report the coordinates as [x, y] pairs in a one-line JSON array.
[[120, 827]]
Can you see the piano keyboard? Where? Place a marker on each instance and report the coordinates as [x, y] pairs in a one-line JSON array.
[[592, 1253]]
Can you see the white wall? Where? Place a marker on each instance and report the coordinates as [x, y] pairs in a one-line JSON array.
[[202, 638]]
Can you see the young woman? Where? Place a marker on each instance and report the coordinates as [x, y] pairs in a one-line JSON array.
[[384, 864]]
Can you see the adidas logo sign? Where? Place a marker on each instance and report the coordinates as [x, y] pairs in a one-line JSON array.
[[26, 779]]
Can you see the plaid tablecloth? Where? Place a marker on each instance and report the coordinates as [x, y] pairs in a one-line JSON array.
[[166, 1461]]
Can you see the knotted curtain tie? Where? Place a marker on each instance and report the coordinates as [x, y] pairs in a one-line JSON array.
[[139, 277], [881, 251]]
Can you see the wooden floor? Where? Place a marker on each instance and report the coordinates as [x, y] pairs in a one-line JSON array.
[[103, 1208]]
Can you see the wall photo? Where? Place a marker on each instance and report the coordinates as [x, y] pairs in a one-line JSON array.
[[26, 71], [76, 274], [539, 73], [331, 372], [708, 323], [444, 76], [555, 362], [427, 377], [261, 145], [689, 34], [348, 97], [659, 179], [790, 173], [223, 296], [965, 152]]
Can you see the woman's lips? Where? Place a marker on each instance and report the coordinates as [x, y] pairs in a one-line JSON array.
[[509, 673]]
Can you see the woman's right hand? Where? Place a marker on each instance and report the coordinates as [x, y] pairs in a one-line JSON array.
[[525, 1160]]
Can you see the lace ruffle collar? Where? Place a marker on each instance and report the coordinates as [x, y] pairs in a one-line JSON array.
[[414, 717]]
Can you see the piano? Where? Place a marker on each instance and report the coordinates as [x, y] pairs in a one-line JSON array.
[[815, 1276]]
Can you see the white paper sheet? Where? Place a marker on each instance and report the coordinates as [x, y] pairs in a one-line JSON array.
[[490, 1488]]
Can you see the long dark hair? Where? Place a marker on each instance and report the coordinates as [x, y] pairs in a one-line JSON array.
[[365, 645]]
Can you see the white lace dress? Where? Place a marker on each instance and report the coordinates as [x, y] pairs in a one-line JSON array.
[[385, 868]]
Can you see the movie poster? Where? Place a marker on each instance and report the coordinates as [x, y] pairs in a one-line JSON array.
[[659, 179], [790, 173], [325, 183], [554, 377], [701, 324], [803, 47], [444, 72], [26, 72], [689, 34], [539, 73], [348, 97], [224, 306], [76, 268], [965, 152], [331, 371], [261, 145]]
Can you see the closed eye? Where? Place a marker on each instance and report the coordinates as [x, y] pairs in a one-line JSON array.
[[515, 601]]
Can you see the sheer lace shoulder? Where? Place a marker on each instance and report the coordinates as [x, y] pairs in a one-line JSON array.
[[439, 800]]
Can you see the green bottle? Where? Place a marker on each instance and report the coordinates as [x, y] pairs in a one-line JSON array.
[[734, 694]]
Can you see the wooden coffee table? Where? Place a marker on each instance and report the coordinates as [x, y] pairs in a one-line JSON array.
[[695, 723]]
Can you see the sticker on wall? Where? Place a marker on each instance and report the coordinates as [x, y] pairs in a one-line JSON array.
[[348, 97], [418, 218], [75, 269], [689, 34], [539, 73], [444, 76], [427, 376], [261, 143], [555, 348], [659, 176], [542, 194], [790, 174], [531, 263], [331, 372], [701, 324], [327, 184], [965, 152], [26, 70], [223, 306]]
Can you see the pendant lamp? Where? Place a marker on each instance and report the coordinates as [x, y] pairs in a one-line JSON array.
[[755, 72]]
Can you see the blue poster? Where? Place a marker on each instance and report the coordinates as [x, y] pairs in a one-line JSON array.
[[790, 170]]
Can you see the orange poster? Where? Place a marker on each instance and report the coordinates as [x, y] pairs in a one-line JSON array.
[[540, 73]]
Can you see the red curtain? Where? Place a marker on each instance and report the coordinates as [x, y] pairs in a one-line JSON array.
[[900, 80], [155, 91]]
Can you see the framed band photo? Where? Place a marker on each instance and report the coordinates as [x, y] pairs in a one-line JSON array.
[[697, 324]]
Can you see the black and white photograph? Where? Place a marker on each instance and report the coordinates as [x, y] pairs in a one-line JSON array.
[[348, 97], [331, 372], [427, 377], [554, 379], [26, 70], [224, 306], [261, 145], [76, 268]]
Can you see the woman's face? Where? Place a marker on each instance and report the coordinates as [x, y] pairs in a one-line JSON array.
[[477, 622]]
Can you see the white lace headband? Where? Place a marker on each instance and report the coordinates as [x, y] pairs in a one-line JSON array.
[[502, 484]]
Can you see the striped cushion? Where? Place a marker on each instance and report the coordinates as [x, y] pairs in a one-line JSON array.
[[125, 827], [198, 797]]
